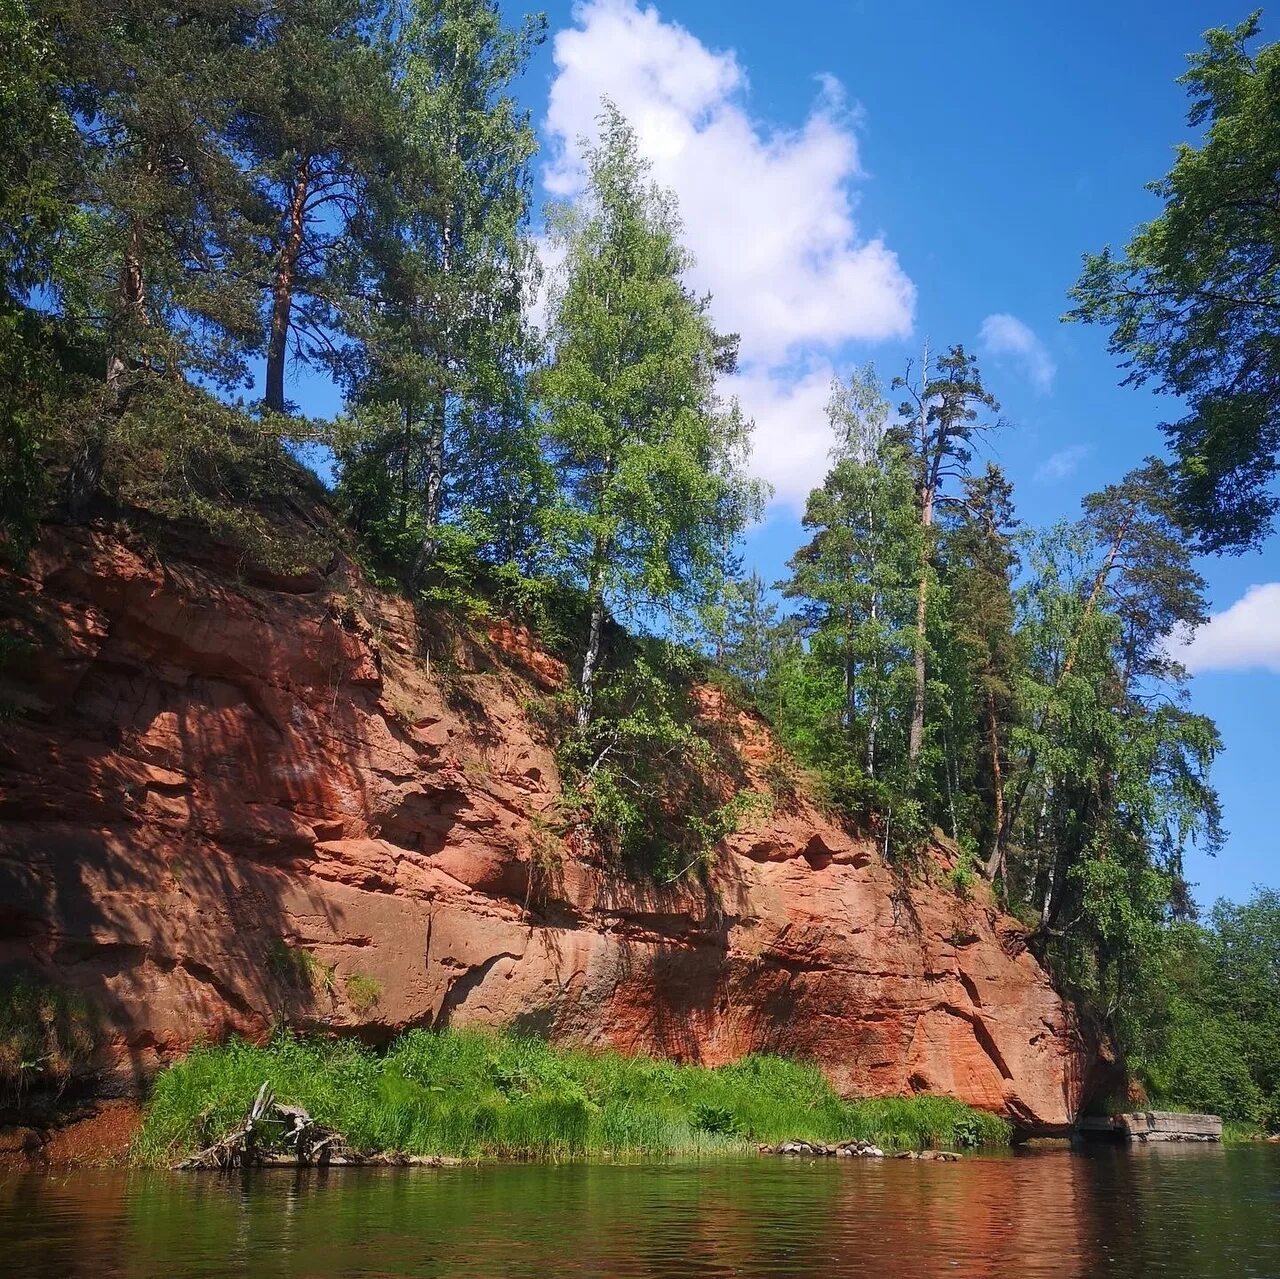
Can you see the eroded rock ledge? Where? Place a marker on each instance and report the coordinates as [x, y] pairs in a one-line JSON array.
[[207, 774]]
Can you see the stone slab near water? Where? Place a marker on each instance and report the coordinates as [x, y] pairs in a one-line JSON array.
[[1154, 1125]]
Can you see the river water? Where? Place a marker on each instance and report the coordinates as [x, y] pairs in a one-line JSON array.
[[1153, 1211]]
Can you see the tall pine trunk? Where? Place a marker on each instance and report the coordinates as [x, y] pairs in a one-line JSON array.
[[84, 477], [285, 281]]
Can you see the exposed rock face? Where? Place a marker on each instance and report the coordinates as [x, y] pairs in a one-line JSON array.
[[206, 778]]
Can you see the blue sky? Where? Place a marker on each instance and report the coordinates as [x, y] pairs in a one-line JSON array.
[[858, 177]]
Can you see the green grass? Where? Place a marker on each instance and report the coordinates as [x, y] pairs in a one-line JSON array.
[[1237, 1132], [45, 1033], [363, 993], [481, 1095]]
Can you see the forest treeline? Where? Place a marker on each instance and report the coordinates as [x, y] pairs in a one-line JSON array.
[[201, 205]]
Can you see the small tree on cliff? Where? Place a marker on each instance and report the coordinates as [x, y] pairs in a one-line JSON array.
[[651, 491]]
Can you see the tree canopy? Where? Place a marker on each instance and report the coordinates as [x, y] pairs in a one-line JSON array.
[[1193, 301]]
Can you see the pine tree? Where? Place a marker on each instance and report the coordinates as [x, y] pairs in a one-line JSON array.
[[40, 157], [855, 577], [981, 559], [161, 229], [750, 642], [941, 419], [317, 123], [444, 429]]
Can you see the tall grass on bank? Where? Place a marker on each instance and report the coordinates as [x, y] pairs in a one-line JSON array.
[[477, 1094]]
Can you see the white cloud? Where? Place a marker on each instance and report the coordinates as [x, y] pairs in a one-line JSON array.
[[1062, 464], [1003, 334], [768, 212], [792, 447], [1245, 636]]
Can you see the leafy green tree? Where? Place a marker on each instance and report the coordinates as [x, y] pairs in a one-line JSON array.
[[980, 558], [442, 427], [1245, 953], [161, 203], [39, 154], [652, 495], [855, 581], [1193, 303], [1212, 1041], [316, 122], [741, 632], [941, 419], [39, 161], [1111, 765]]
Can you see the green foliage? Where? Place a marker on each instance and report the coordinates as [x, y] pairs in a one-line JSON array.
[[651, 494], [1112, 781], [1193, 299], [1214, 1041], [296, 967], [855, 581], [363, 992], [739, 634], [476, 1094], [647, 771], [1202, 1067], [841, 680], [45, 1034], [439, 464], [962, 875]]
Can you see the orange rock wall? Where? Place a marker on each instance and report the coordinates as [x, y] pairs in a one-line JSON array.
[[208, 776]]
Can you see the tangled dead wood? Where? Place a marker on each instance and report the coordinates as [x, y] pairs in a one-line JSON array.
[[278, 1134]]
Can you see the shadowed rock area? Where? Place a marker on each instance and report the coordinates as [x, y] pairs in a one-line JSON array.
[[207, 777]]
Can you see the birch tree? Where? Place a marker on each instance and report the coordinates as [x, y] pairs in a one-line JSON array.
[[652, 495]]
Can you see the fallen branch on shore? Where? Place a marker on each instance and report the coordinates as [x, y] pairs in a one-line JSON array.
[[276, 1134]]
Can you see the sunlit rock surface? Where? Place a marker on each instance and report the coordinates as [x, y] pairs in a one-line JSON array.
[[207, 776]]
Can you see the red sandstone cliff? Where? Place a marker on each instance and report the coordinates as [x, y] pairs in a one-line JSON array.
[[204, 772]]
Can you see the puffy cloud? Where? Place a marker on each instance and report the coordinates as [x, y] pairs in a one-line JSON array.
[[1062, 464], [768, 212], [792, 444], [1006, 335], [1245, 636]]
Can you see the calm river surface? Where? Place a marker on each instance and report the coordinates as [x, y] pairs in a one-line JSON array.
[[1146, 1212]]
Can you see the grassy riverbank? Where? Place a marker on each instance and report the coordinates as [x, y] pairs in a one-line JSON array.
[[473, 1094]]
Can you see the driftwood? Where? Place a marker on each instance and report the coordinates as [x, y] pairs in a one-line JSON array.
[[276, 1134]]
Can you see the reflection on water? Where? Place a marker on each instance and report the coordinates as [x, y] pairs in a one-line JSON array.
[[1177, 1211]]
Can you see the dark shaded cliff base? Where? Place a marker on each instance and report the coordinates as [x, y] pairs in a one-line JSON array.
[[226, 802], [94, 1134]]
